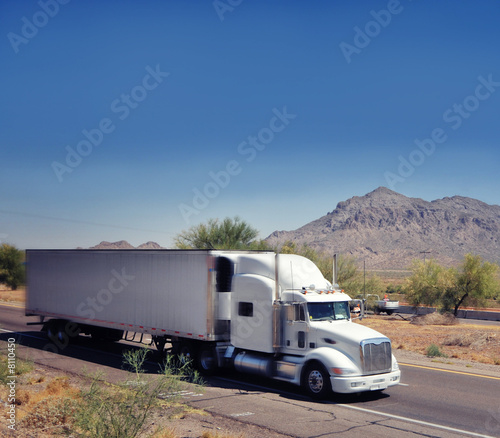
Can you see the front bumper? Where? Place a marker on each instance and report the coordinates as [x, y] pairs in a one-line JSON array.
[[376, 382]]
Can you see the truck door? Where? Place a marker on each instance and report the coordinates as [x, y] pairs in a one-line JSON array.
[[296, 327]]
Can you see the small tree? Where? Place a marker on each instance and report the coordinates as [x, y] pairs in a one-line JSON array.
[[474, 282], [215, 234], [374, 284], [349, 277], [427, 283], [11, 266]]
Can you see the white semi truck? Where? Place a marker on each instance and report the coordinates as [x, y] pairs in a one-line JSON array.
[[268, 314]]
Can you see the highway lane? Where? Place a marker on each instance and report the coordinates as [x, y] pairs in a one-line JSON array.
[[464, 402], [458, 400]]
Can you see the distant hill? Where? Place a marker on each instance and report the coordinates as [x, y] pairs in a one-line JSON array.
[[388, 230], [123, 244]]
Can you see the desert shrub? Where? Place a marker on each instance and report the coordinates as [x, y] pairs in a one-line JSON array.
[[434, 351], [435, 319], [50, 413], [475, 340], [121, 411]]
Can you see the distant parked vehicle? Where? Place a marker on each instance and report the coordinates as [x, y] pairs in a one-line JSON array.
[[386, 305], [378, 306]]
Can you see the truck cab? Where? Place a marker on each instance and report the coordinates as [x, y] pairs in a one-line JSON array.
[[338, 354], [294, 325]]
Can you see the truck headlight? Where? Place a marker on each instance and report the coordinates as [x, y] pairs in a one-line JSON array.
[[395, 365], [344, 371]]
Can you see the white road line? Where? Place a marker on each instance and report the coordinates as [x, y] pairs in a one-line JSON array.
[[396, 417], [411, 420]]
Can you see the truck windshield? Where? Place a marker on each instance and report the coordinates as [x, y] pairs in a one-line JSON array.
[[328, 311]]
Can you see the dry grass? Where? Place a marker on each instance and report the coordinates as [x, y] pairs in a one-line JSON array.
[[15, 296], [208, 434], [46, 403], [42, 408], [460, 341]]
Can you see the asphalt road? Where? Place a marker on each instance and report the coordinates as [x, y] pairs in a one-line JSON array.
[[429, 402]]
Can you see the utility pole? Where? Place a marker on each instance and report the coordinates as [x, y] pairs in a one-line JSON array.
[[364, 279], [424, 253]]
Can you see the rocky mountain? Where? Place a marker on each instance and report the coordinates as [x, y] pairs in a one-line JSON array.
[[149, 245], [388, 230], [123, 244]]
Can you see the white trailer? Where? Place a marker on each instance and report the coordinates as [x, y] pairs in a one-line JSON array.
[[259, 312]]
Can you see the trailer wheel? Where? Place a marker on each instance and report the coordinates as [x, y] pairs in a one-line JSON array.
[[207, 360], [316, 381], [57, 333], [389, 312]]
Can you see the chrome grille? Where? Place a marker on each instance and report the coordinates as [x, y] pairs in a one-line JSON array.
[[376, 356]]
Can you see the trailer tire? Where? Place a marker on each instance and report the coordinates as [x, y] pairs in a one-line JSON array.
[[57, 334], [316, 381], [389, 312], [207, 360]]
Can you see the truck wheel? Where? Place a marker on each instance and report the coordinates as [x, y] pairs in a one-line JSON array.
[[316, 381], [207, 361], [376, 311]]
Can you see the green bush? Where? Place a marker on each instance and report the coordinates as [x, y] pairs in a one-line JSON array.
[[12, 270], [434, 351]]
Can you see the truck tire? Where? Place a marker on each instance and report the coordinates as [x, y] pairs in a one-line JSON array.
[[316, 381], [207, 360]]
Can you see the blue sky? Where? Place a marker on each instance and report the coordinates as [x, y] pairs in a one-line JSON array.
[[135, 120]]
